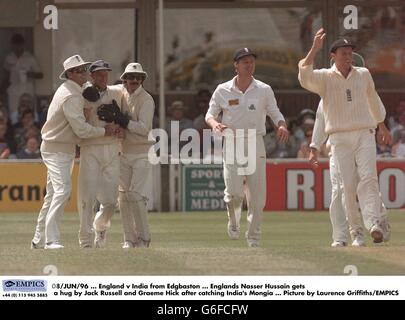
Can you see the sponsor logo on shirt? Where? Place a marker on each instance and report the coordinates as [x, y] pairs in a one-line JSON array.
[[233, 102], [349, 95]]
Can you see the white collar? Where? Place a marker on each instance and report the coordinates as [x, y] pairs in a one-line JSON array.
[[335, 69], [235, 88]]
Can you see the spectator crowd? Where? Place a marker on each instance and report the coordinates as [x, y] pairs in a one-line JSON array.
[[21, 119]]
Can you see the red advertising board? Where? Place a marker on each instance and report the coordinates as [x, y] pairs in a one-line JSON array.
[[295, 185]]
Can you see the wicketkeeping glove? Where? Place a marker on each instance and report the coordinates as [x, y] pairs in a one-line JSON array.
[[119, 118], [111, 113], [90, 93], [104, 113], [122, 119], [108, 112]]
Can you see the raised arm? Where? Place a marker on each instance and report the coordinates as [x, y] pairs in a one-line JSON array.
[[316, 46], [309, 78]]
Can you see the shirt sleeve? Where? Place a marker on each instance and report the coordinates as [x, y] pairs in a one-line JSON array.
[[310, 79], [319, 135], [73, 110], [375, 105], [143, 124], [215, 106], [272, 109]]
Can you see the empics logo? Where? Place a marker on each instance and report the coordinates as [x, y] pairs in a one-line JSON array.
[[24, 285], [9, 284]]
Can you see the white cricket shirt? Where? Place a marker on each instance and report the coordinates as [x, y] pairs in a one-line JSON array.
[[244, 110], [348, 103]]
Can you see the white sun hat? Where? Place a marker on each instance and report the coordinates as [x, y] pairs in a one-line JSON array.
[[72, 62], [133, 67]]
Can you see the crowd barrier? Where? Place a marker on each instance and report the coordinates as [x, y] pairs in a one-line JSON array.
[[291, 185], [23, 185]]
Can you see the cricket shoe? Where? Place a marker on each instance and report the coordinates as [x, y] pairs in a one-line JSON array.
[[101, 239], [53, 245], [128, 245], [36, 245], [142, 243], [377, 234], [338, 244], [233, 232], [252, 244], [358, 242]]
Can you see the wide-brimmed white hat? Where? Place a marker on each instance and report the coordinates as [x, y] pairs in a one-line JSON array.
[[133, 67], [72, 62]]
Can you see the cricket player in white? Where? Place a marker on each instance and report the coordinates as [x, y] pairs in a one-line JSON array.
[[338, 217], [99, 165], [64, 126], [135, 168], [337, 212], [245, 102], [351, 109]]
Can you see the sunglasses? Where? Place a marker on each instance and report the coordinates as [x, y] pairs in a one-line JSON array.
[[79, 70], [138, 77]]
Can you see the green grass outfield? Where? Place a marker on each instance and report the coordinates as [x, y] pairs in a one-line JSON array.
[[293, 243]]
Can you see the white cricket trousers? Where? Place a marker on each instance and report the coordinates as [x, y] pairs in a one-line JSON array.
[[355, 156], [98, 180], [135, 173], [337, 213], [255, 192], [58, 189]]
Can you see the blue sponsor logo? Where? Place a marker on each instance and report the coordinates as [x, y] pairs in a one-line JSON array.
[[22, 285]]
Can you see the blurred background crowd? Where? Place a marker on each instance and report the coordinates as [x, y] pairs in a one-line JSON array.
[[199, 40]]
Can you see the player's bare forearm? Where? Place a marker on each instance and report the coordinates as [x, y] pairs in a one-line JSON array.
[[212, 122]]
